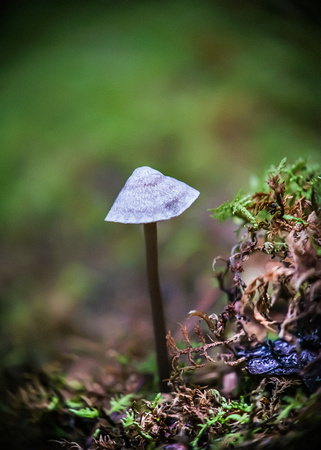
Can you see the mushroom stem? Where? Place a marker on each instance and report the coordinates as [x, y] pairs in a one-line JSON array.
[[150, 232]]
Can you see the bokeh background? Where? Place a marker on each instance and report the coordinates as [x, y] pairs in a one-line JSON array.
[[209, 92]]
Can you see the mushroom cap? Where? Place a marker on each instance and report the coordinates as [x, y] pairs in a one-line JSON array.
[[149, 196]]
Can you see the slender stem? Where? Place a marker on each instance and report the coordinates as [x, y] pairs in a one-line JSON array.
[[150, 231]]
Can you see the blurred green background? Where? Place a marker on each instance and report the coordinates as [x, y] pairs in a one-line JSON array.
[[209, 92]]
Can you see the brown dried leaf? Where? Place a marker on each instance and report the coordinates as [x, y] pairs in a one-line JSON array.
[[209, 320]]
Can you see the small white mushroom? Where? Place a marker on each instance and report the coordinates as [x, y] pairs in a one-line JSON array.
[[149, 197]]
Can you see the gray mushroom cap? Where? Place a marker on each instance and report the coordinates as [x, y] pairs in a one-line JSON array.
[[149, 196]]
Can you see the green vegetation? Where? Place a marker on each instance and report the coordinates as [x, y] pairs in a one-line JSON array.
[[303, 187], [120, 403]]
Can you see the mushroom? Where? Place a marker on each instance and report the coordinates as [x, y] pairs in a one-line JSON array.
[[148, 197]]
